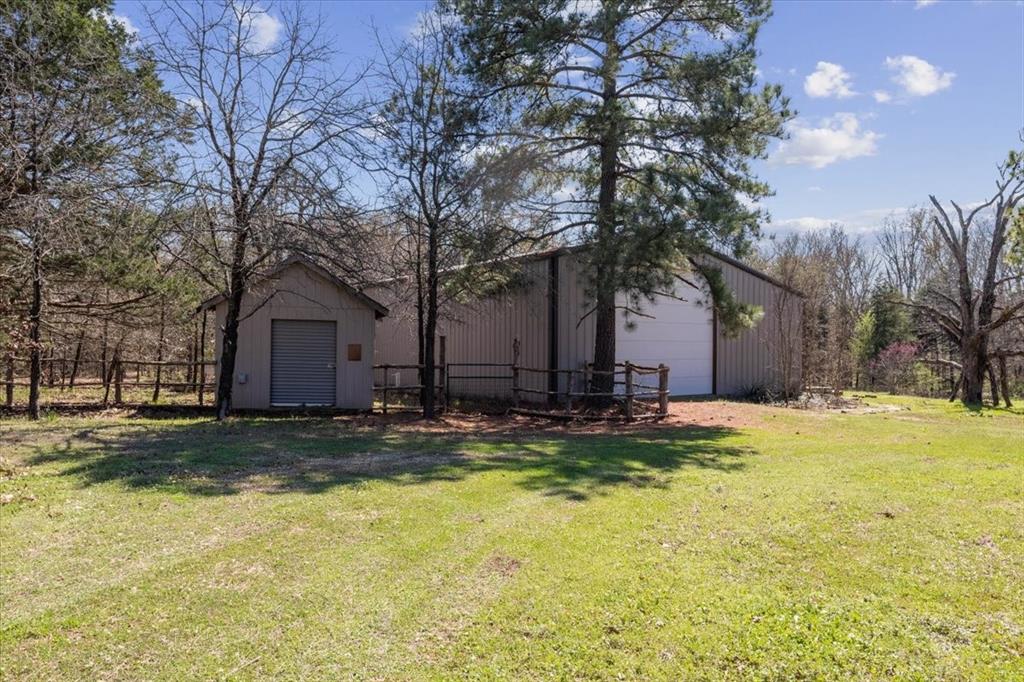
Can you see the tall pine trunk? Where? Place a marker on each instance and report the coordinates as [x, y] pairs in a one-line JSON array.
[[421, 303], [76, 361], [604, 269]]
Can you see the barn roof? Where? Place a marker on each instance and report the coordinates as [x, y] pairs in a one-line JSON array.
[[566, 250], [379, 309]]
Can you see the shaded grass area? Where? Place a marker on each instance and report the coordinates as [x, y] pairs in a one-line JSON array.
[[806, 545]]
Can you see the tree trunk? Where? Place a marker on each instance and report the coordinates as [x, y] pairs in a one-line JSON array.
[[430, 324], [34, 329], [236, 290], [103, 355], [974, 362], [78, 359], [1004, 383], [603, 379], [420, 318], [159, 354], [993, 386], [229, 350]]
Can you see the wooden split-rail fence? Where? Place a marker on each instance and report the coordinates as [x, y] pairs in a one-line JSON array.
[[635, 397]]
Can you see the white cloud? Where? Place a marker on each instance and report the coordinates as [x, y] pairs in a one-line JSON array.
[[917, 77], [881, 96], [261, 29], [129, 27], [828, 80], [865, 221], [835, 138], [804, 223], [814, 188], [924, 3]]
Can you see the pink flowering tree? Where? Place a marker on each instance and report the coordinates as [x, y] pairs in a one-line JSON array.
[[894, 364]]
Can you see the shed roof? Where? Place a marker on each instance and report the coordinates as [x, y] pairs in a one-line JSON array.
[[379, 309]]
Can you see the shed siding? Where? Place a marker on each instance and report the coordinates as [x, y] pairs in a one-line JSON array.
[[477, 332], [300, 294], [756, 358], [483, 332]]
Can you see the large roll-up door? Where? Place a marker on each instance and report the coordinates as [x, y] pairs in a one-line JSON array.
[[303, 357], [679, 334]]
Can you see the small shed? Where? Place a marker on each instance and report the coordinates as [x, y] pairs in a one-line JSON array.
[[305, 339]]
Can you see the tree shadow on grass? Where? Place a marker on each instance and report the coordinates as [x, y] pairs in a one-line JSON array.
[[312, 456]]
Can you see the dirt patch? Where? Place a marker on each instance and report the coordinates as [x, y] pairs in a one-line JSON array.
[[708, 413], [502, 565]]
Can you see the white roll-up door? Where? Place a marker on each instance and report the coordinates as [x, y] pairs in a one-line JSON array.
[[679, 334], [303, 357]]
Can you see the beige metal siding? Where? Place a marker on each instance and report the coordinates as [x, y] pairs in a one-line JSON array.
[[298, 293], [476, 332], [483, 331], [756, 358]]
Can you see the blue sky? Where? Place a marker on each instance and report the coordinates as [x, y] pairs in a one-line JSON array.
[[896, 99]]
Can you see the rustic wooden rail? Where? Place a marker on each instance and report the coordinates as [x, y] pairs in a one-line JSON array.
[[440, 386], [112, 375]]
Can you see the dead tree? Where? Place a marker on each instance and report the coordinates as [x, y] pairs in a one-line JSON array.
[[976, 297]]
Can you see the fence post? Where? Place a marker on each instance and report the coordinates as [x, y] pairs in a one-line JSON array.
[[118, 378], [384, 397], [568, 396], [9, 378], [663, 390], [515, 372], [201, 354], [629, 391], [443, 370]]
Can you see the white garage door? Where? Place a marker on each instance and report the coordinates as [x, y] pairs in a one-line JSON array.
[[303, 362], [680, 336]]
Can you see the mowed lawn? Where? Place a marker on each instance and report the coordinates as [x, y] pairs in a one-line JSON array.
[[759, 543]]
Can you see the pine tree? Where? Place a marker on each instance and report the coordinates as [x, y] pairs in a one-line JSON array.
[[646, 115], [84, 120]]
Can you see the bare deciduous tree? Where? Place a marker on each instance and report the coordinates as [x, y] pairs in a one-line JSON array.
[[271, 120], [450, 189]]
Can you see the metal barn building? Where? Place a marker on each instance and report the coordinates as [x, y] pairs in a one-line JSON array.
[[548, 316], [305, 339]]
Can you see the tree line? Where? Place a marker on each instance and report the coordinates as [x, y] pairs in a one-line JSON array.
[[933, 303], [144, 173]]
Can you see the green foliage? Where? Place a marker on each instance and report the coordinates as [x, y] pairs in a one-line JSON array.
[[733, 315], [647, 115], [81, 95], [863, 342], [891, 322], [1015, 238]]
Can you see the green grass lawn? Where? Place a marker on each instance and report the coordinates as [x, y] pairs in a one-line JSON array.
[[769, 544]]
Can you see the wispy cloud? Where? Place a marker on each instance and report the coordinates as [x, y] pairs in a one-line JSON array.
[[859, 222]]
